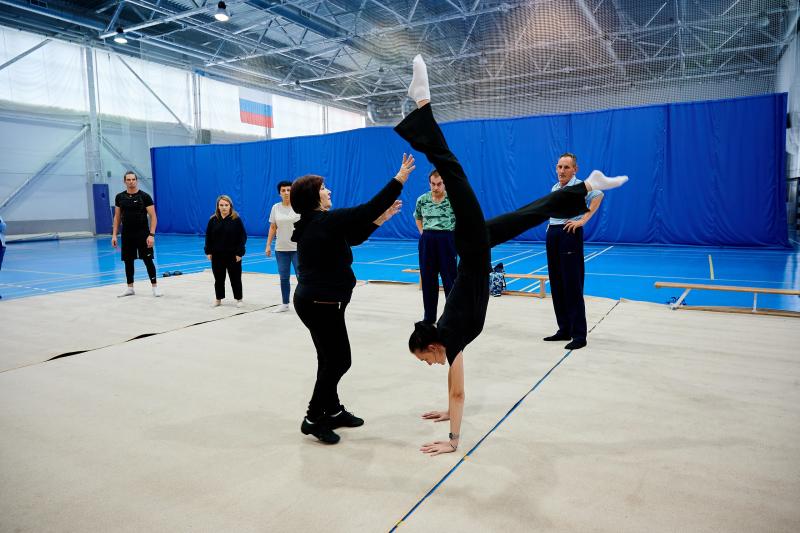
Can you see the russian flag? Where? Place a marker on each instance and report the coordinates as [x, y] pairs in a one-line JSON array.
[[255, 107]]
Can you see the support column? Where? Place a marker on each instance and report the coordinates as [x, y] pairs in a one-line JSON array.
[[197, 122], [96, 184]]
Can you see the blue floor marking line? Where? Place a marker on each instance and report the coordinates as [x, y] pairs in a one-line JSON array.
[[507, 257], [73, 277], [535, 285], [390, 258], [533, 254], [472, 450]]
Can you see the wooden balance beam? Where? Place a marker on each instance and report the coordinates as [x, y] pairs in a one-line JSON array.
[[728, 288], [542, 279]]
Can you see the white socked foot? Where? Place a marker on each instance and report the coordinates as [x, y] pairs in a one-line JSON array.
[[601, 182], [419, 88]]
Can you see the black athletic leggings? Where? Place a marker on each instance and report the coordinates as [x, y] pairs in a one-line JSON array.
[[148, 264]]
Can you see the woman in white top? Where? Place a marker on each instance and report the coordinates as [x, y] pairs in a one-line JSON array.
[[281, 225]]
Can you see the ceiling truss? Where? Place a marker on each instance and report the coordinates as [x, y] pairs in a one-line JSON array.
[[356, 53]]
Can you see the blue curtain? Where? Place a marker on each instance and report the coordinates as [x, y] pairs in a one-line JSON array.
[[704, 173]]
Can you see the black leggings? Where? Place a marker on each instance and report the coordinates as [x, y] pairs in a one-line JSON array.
[[325, 321], [219, 265], [474, 235], [148, 264]]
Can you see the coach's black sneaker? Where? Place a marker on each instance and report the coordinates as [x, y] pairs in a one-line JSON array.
[[321, 430], [576, 344], [345, 419], [558, 337]]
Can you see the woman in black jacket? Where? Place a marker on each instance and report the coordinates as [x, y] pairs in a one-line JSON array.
[[225, 240], [325, 283]]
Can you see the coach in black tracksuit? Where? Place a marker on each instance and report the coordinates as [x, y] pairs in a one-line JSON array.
[[325, 282]]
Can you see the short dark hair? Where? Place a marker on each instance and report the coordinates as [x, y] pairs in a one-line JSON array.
[[305, 193], [282, 184], [571, 156], [434, 171], [423, 336], [129, 172]]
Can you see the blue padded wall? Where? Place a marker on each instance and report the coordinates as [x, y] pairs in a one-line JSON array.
[[703, 173]]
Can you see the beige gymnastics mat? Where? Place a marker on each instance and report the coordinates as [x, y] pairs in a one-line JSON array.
[[38, 328], [666, 422]]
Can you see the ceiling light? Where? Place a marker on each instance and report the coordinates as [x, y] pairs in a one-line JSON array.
[[120, 37], [222, 14]]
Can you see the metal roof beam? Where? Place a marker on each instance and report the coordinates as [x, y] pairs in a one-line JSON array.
[[23, 54], [604, 39], [169, 18], [572, 70]]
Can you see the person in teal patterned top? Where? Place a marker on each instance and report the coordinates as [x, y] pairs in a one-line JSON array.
[[437, 247]]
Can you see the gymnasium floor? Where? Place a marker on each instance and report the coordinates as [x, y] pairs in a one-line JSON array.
[[175, 416], [164, 414], [612, 271]]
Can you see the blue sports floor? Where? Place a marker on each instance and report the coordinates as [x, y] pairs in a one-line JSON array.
[[612, 271]]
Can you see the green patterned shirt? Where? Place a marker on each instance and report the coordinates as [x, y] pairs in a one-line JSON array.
[[435, 216]]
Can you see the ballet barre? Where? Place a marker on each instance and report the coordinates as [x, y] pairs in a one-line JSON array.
[[688, 287], [541, 277]]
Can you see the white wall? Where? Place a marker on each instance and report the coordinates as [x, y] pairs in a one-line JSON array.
[[44, 102]]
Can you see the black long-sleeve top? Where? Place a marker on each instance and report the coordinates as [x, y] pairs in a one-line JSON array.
[[225, 236], [323, 242]]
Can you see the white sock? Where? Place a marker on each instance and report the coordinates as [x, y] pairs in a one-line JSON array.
[[601, 182], [419, 89]]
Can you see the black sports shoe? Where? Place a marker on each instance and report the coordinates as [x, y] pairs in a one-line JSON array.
[[321, 430], [345, 419], [558, 337], [576, 344]]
